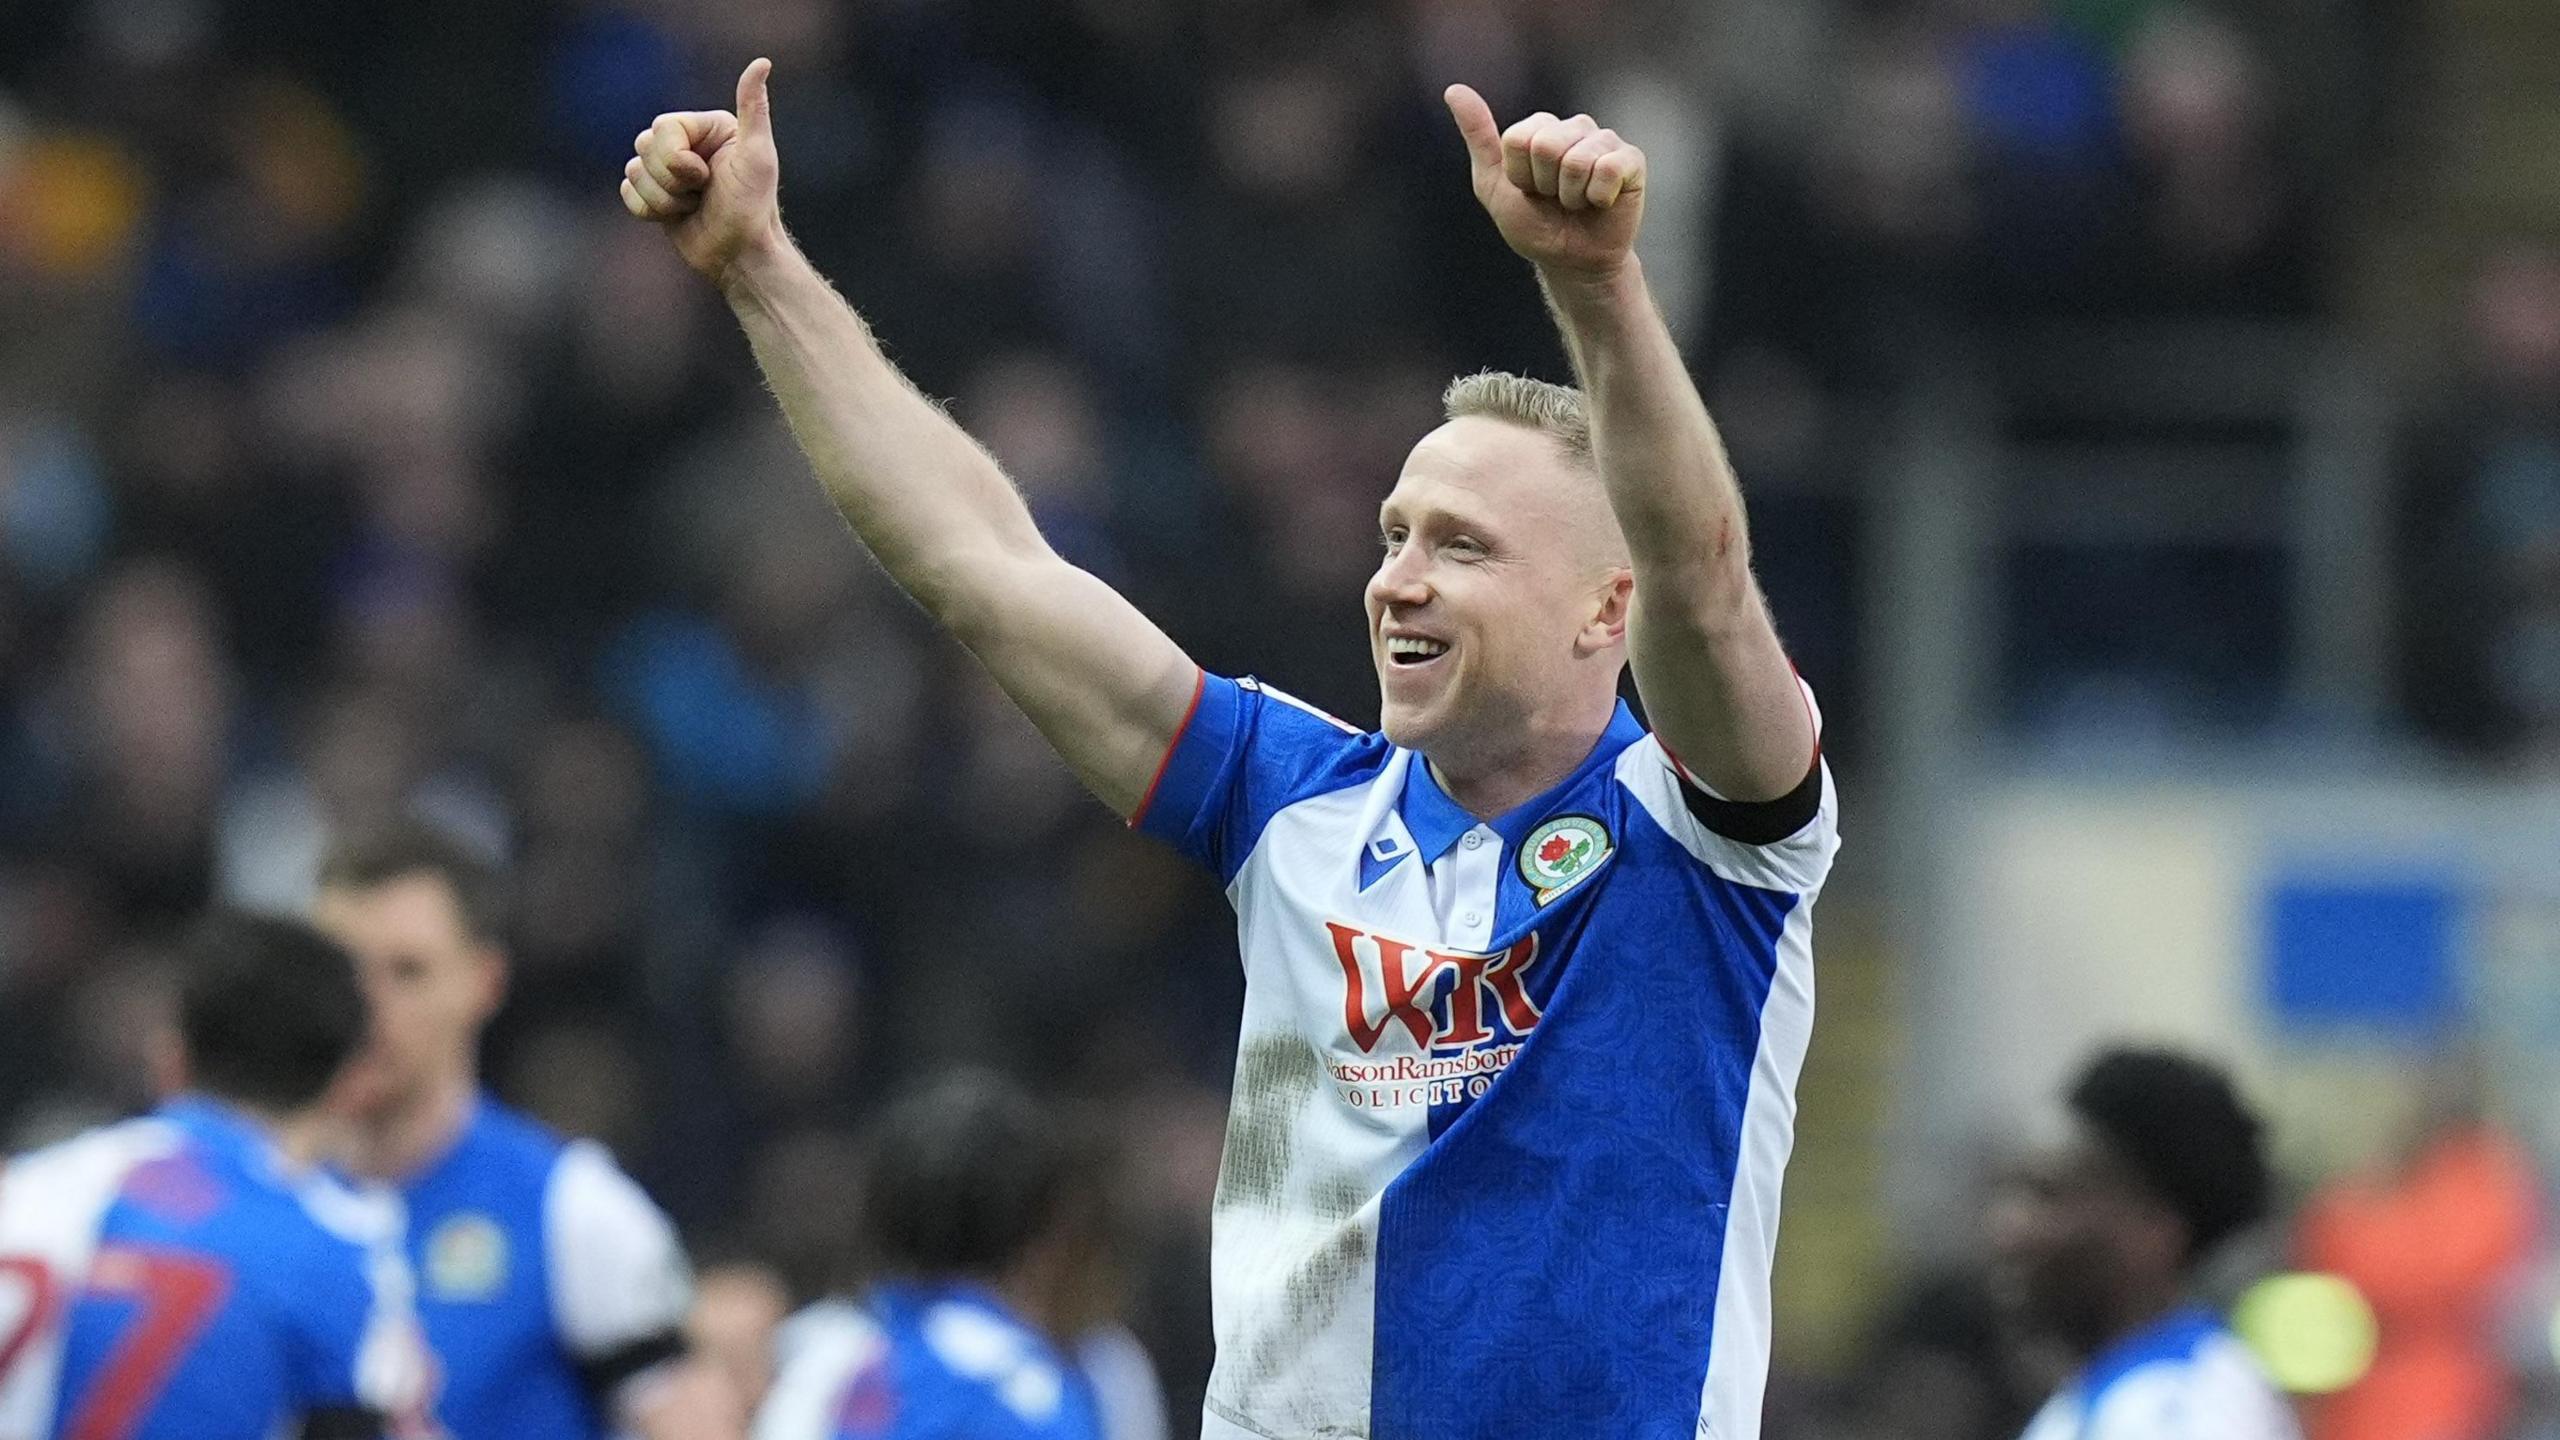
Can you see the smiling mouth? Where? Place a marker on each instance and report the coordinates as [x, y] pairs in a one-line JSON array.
[[1408, 651]]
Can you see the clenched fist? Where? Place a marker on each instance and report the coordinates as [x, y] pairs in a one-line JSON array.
[[713, 178], [1566, 194]]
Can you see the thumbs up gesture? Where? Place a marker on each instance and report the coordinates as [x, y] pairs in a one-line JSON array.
[[1567, 195], [712, 177]]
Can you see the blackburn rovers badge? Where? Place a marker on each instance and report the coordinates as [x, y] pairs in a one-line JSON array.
[[1562, 853], [466, 1259]]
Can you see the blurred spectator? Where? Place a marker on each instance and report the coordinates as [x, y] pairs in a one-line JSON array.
[[2437, 1238], [794, 1023], [2480, 506], [145, 729]]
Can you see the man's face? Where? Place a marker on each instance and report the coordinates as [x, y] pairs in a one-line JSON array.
[[2072, 1230], [1481, 613], [433, 986]]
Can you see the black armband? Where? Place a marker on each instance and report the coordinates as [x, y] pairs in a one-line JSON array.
[[1757, 822], [604, 1374], [346, 1422]]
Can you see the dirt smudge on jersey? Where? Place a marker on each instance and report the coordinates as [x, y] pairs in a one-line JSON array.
[[1275, 1078], [1311, 1298]]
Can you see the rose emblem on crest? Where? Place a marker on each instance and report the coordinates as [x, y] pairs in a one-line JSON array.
[[1560, 853]]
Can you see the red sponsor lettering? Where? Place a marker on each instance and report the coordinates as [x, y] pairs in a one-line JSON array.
[[1502, 976], [1411, 992], [1407, 994]]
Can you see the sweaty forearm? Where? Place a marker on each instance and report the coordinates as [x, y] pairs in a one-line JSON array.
[[925, 499], [1660, 455]]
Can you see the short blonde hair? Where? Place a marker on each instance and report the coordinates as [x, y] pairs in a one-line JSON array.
[[1556, 411]]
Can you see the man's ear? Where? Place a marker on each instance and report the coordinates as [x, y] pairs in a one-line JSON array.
[[1608, 623]]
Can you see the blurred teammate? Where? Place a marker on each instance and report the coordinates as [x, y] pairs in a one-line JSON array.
[[984, 1227], [1523, 990], [2098, 1233], [195, 1274], [552, 1290]]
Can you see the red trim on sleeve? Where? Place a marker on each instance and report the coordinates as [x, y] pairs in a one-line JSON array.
[[1804, 694], [1199, 687]]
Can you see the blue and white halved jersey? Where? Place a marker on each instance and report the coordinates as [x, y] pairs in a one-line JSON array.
[[546, 1279], [923, 1362], [175, 1278], [1512, 1098], [2185, 1378]]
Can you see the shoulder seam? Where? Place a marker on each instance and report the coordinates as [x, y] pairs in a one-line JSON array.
[[1336, 721]]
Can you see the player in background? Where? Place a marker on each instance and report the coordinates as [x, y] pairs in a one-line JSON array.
[[552, 1290], [1521, 988], [2098, 1234], [983, 1222], [196, 1274]]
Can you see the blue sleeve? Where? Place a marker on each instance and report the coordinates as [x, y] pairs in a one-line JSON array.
[[1246, 753], [334, 1304]]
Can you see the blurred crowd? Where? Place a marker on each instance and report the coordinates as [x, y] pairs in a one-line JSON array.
[[359, 456]]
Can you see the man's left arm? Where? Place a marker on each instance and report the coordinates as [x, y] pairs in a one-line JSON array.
[[1568, 195], [620, 1285]]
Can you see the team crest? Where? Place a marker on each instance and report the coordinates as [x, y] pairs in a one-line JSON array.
[[467, 1259], [1562, 853]]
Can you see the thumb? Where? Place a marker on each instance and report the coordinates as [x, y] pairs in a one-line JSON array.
[[1475, 123], [755, 106]]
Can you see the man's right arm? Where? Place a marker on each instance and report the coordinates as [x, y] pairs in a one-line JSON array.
[[1108, 688], [1105, 686]]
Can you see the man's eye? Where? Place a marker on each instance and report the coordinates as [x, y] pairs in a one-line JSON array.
[[1391, 540], [1466, 548]]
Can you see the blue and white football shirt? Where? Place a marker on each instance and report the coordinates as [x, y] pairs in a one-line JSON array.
[[1512, 1098], [2184, 1378], [173, 1278], [923, 1362], [546, 1277]]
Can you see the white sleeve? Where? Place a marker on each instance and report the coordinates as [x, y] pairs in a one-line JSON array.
[[618, 1272], [51, 1203], [1681, 804], [817, 1355]]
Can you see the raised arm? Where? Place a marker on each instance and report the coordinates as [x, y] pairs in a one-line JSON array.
[[1568, 196], [1106, 687]]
